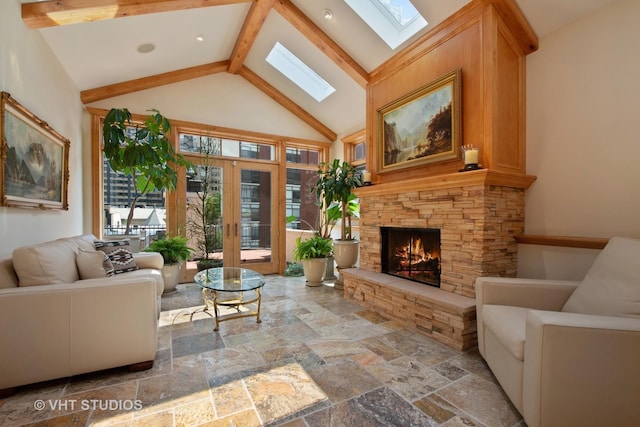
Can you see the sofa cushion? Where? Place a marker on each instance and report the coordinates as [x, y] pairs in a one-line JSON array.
[[8, 278], [84, 242], [611, 287], [509, 325], [119, 253], [93, 264], [46, 263]]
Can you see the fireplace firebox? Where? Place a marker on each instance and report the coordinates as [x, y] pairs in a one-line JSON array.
[[411, 253]]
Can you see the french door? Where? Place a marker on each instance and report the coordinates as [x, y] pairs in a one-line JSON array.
[[231, 214]]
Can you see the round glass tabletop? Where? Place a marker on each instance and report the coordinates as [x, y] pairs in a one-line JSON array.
[[229, 279]]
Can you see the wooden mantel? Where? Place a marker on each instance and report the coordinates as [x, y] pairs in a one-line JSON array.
[[458, 179]]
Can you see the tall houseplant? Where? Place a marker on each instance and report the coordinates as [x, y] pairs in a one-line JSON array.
[[142, 151], [334, 188]]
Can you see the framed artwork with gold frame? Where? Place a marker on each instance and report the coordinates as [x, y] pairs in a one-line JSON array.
[[34, 171], [421, 127]]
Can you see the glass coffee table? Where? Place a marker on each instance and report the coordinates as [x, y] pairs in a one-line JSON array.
[[226, 287]]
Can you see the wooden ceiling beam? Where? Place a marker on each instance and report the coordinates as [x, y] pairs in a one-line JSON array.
[[53, 13], [123, 88], [287, 103], [249, 32], [322, 41]]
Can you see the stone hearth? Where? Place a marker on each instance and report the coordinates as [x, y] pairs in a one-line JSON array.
[[478, 214]]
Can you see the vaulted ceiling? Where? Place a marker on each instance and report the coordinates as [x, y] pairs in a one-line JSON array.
[[97, 42]]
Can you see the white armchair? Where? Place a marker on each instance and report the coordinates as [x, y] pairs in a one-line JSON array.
[[568, 353]]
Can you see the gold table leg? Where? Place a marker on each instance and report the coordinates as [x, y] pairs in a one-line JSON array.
[[211, 299]]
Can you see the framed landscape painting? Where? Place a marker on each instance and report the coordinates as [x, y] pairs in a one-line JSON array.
[[34, 172], [421, 127]]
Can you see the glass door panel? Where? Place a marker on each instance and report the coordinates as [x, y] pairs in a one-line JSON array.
[[256, 206], [205, 213], [255, 218]]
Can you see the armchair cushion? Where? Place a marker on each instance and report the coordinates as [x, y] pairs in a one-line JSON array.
[[508, 324], [611, 287]]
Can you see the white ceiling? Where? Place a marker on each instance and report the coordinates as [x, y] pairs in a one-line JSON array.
[[105, 52]]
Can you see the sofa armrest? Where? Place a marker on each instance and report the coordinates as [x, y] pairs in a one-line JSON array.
[[530, 293], [581, 368], [148, 260], [113, 324]]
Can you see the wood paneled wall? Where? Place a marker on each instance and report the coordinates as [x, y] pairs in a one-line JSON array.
[[488, 41]]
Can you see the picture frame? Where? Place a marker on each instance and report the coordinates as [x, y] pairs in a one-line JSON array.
[[422, 127], [34, 171]]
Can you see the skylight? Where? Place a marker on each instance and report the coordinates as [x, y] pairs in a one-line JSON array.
[[393, 20], [299, 73]]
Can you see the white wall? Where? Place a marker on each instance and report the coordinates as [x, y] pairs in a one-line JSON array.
[[583, 144], [221, 99], [35, 78]]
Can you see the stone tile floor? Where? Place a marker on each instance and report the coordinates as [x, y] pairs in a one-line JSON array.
[[315, 360]]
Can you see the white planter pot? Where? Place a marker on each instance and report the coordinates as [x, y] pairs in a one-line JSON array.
[[346, 252], [314, 270], [346, 255], [170, 276]]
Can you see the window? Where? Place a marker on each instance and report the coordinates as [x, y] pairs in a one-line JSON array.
[[118, 190], [303, 156], [300, 203], [299, 73], [355, 149], [215, 146], [394, 21]]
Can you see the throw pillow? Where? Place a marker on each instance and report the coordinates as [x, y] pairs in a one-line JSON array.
[[612, 284], [93, 264], [119, 253]]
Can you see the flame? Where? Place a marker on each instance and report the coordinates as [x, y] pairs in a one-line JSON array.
[[414, 253]]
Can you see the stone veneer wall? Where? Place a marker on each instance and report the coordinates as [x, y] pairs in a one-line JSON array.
[[477, 224], [478, 214]]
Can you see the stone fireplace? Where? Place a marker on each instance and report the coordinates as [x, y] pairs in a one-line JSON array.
[[477, 214]]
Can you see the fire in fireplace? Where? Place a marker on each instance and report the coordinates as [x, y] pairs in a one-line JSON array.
[[412, 253]]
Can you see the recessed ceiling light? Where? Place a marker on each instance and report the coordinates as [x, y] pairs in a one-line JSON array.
[[327, 14], [146, 47], [199, 38]]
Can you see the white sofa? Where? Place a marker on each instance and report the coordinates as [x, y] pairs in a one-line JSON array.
[[568, 353], [71, 326]]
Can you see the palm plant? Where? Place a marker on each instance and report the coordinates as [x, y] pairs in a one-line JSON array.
[[334, 192]]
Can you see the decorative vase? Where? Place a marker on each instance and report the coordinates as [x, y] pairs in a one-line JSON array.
[[314, 270]]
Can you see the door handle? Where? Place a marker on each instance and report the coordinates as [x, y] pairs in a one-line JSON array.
[[236, 227]]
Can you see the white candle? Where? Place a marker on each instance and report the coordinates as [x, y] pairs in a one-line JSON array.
[[471, 156], [366, 177]]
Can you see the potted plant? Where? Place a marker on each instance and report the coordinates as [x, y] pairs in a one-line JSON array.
[[141, 151], [174, 251], [335, 185], [313, 253]]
